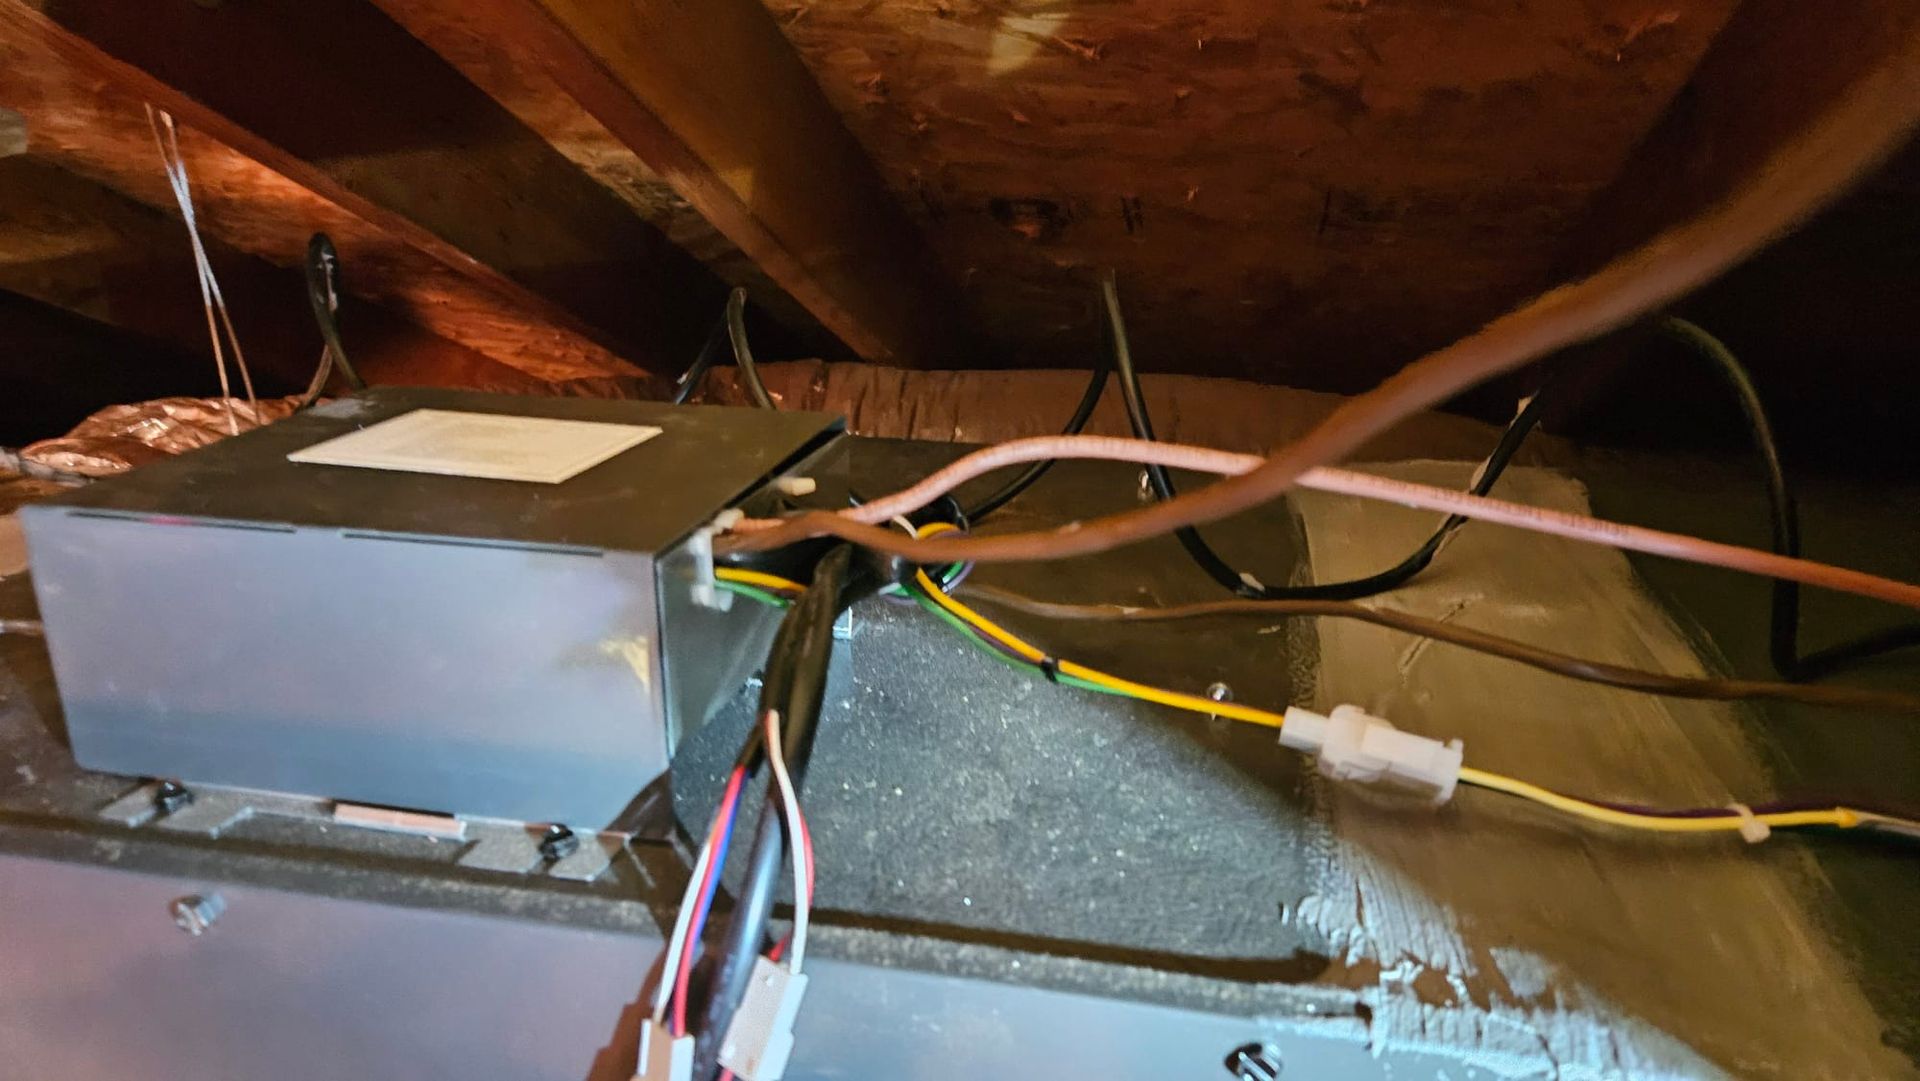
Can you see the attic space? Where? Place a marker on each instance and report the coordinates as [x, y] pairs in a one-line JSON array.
[[1144, 538]]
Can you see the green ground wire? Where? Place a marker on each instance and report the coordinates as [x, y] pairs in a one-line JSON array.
[[754, 592], [776, 601]]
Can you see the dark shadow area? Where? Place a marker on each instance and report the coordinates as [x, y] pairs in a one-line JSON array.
[[57, 367]]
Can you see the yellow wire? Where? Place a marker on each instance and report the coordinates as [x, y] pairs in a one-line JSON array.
[[979, 622], [1191, 702], [1843, 817], [758, 578], [787, 585]]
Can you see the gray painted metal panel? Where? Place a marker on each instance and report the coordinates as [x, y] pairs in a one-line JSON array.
[[489, 681], [298, 987]]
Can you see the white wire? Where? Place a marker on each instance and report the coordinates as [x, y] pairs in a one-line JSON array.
[[802, 896], [669, 968], [1547, 520], [211, 297]]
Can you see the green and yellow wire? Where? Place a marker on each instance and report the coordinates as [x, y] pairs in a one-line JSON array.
[[989, 634], [760, 580]]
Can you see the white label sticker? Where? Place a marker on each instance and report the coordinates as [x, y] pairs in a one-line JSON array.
[[491, 445]]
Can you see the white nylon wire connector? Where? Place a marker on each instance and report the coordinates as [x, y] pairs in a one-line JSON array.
[[1351, 744]]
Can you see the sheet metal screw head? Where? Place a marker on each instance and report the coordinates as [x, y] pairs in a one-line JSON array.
[[1254, 1062], [171, 796], [559, 842], [1218, 692], [195, 913]]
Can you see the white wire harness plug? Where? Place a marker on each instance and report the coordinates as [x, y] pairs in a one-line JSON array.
[[1351, 744], [760, 1038], [700, 547], [662, 1057]]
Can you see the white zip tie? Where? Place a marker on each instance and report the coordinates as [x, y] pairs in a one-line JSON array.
[[1752, 830]]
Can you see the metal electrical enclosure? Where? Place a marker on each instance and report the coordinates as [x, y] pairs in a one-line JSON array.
[[471, 646]]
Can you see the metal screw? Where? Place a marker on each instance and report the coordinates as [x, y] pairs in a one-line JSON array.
[[1254, 1062], [559, 842], [171, 796], [195, 913], [1145, 493], [1220, 694]]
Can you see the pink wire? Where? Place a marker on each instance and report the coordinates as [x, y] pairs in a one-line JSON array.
[[1368, 486]]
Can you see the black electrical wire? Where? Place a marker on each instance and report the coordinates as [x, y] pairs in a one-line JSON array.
[[1089, 398], [734, 325], [732, 328], [1197, 548], [796, 686], [709, 353], [323, 295], [1784, 513], [1784, 647], [1243, 585], [743, 352]]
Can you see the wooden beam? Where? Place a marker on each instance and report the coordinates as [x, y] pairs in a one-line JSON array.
[[84, 111], [71, 244], [524, 88], [1771, 71], [712, 98], [343, 88]]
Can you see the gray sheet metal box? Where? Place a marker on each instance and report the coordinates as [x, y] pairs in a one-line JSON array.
[[479, 647]]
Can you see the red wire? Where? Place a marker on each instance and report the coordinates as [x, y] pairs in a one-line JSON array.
[[686, 956], [779, 948]]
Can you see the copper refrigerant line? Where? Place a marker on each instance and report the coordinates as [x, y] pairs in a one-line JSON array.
[[853, 524]]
